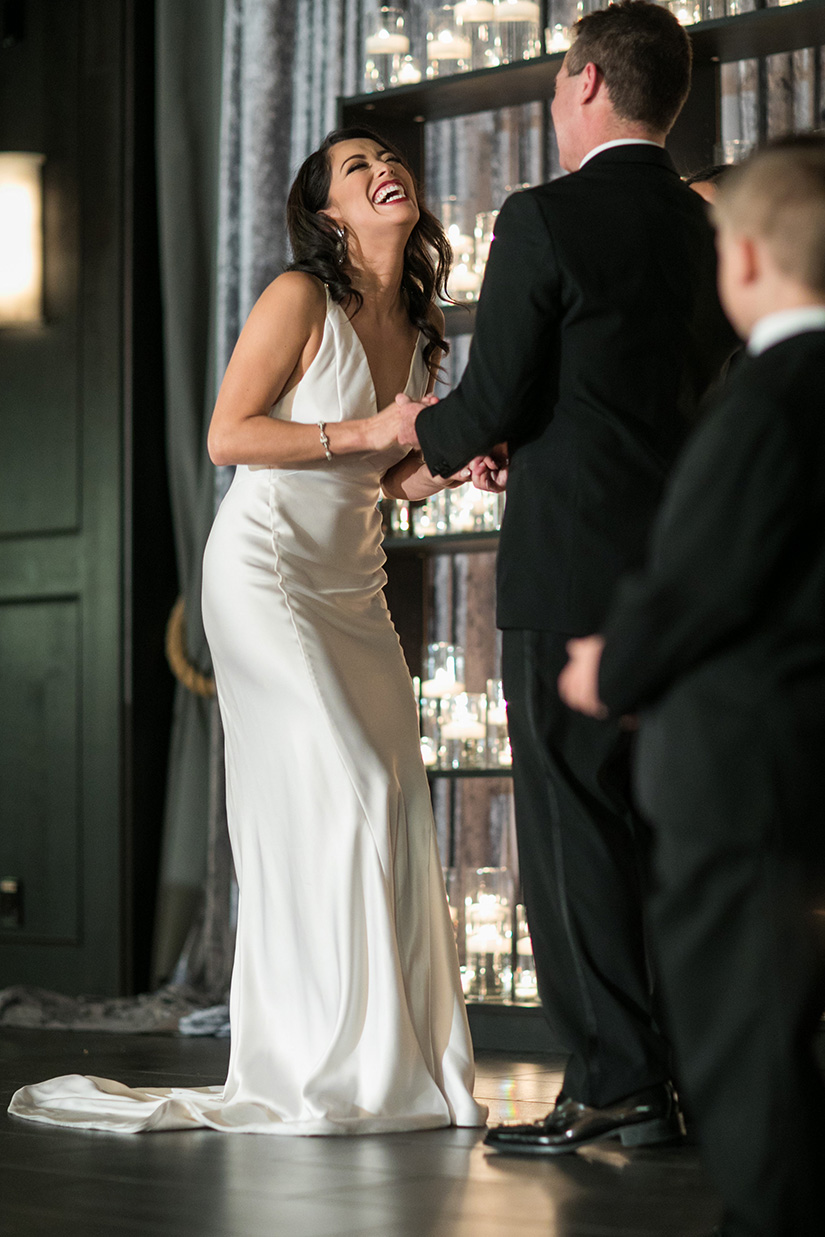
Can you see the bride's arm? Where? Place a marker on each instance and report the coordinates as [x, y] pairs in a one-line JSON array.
[[276, 347], [412, 479]]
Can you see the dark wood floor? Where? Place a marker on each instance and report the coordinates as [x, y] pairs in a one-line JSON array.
[[202, 1184]]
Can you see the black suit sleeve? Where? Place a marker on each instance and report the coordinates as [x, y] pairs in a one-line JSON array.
[[719, 545], [517, 318]]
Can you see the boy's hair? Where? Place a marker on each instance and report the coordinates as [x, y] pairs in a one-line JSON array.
[[644, 56], [778, 195]]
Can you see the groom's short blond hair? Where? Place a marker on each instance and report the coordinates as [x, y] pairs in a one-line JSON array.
[[778, 196]]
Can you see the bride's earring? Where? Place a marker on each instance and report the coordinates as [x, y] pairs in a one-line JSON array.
[[342, 244]]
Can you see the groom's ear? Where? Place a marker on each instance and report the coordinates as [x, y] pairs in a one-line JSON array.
[[591, 79]]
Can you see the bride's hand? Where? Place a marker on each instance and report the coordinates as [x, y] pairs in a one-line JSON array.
[[395, 424]]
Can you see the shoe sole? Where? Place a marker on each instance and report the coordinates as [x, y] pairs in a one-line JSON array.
[[642, 1134]]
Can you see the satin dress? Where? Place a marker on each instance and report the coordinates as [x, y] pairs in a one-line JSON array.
[[346, 1007]]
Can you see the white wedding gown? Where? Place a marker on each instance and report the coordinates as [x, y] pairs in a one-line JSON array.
[[346, 1009]]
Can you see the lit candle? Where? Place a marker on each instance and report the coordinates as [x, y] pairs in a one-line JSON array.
[[475, 11], [517, 10], [384, 43], [428, 753], [460, 243], [559, 40], [463, 728], [463, 279], [443, 684], [487, 941], [449, 46], [409, 73]]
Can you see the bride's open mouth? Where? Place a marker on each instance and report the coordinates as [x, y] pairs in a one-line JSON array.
[[389, 191]]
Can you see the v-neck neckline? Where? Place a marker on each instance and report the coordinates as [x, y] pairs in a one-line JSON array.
[[366, 359]]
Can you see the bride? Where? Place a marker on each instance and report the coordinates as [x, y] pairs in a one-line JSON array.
[[346, 1007]]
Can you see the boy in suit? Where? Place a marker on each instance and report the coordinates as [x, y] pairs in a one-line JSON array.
[[598, 331], [719, 644]]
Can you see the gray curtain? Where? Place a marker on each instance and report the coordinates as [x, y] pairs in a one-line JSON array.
[[224, 144], [189, 37]]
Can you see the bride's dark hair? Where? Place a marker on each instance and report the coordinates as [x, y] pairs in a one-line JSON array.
[[319, 248]]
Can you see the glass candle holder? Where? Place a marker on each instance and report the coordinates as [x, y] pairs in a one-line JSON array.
[[464, 730], [686, 12], [483, 231], [444, 673], [452, 888], [385, 47], [409, 74], [488, 933], [457, 219], [476, 18], [432, 517], [464, 281], [525, 984], [449, 49], [429, 715], [499, 754], [517, 30], [562, 15], [398, 516], [734, 150]]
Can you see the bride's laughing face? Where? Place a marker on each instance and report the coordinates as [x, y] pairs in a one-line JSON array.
[[370, 190]]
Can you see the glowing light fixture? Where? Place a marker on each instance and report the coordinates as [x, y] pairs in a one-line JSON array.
[[21, 239]]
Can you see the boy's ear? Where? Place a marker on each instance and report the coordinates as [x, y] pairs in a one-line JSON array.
[[738, 254], [751, 259]]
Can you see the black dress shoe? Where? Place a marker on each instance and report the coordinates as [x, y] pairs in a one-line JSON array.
[[639, 1120]]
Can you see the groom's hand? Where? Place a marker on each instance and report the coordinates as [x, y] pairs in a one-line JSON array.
[[579, 680], [489, 472]]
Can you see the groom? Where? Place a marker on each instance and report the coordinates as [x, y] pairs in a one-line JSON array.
[[598, 330]]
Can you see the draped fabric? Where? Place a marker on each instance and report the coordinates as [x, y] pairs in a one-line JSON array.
[[189, 42]]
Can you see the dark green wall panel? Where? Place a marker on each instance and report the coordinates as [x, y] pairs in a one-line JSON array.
[[40, 695]]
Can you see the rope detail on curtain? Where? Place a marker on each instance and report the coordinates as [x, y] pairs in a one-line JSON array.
[[178, 658]]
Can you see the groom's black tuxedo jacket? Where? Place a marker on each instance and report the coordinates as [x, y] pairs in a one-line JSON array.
[[598, 331]]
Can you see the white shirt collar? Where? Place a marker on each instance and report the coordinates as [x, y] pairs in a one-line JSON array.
[[784, 324], [618, 141]]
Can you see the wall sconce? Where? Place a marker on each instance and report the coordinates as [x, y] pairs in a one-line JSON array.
[[21, 239]]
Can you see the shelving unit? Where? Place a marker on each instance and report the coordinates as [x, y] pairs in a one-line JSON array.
[[447, 543], [401, 115], [503, 771]]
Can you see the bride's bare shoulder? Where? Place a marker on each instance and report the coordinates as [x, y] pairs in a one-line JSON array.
[[294, 292]]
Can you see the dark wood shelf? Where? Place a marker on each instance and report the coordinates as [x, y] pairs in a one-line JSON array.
[[443, 543], [459, 94], [504, 771], [764, 32]]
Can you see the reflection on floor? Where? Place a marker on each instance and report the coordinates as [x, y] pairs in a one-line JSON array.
[[201, 1184]]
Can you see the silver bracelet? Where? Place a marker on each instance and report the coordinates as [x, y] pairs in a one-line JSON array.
[[322, 425]]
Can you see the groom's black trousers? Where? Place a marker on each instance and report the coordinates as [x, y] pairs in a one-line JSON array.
[[582, 857]]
